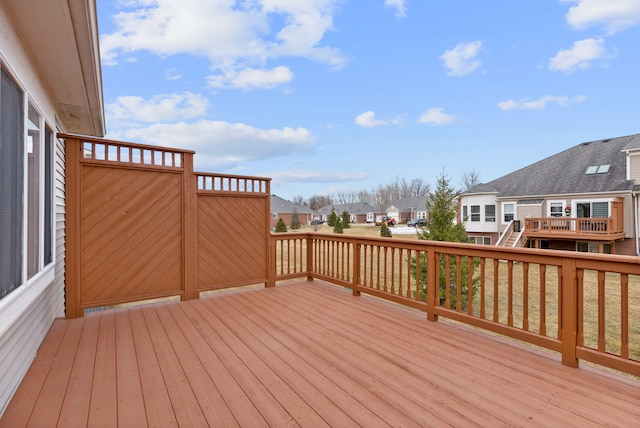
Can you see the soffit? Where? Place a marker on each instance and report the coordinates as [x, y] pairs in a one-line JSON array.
[[61, 38]]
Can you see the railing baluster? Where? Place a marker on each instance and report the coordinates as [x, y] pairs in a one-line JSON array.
[[601, 313], [525, 296], [510, 293], [624, 316]]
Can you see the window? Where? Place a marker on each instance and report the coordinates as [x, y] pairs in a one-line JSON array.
[[508, 212], [475, 212], [465, 213], [33, 192], [11, 183], [48, 196], [480, 240], [274, 216], [26, 188], [556, 208], [598, 209], [490, 213]]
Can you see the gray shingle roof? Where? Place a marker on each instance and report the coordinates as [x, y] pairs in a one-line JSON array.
[[280, 205], [564, 172], [418, 203], [356, 208]]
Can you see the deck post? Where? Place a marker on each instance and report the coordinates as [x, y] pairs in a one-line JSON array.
[[310, 268], [357, 247], [570, 311], [433, 288], [189, 189], [73, 295], [271, 280]]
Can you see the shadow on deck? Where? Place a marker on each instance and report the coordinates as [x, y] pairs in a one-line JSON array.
[[302, 354]]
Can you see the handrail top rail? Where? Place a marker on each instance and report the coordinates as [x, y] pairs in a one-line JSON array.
[[489, 251], [242, 177], [89, 139]]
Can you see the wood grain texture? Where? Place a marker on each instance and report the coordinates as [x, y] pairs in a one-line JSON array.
[[303, 354]]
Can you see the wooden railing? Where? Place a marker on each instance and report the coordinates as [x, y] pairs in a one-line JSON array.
[[604, 228], [584, 306]]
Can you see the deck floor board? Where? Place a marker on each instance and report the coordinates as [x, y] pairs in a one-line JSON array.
[[303, 354]]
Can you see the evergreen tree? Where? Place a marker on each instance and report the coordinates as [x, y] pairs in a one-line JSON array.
[[442, 207], [280, 226], [295, 220], [345, 220], [441, 226], [333, 217], [385, 232], [337, 227]]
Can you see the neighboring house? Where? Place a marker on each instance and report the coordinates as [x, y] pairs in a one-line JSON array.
[[358, 212], [283, 209], [406, 209], [50, 83], [582, 199]]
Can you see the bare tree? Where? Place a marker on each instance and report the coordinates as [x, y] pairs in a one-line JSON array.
[[318, 201], [470, 179], [345, 198], [299, 200]]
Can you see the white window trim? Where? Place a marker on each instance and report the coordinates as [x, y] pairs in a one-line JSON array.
[[575, 202], [502, 211], [562, 202]]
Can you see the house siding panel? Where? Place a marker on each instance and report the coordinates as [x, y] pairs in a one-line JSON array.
[[634, 167], [27, 313]]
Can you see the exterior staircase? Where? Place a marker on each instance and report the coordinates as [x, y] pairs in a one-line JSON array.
[[513, 237], [510, 237]]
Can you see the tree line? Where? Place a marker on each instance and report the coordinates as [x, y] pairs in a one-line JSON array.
[[382, 195]]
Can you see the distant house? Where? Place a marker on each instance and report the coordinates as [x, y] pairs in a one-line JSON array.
[[284, 209], [406, 209], [358, 212], [582, 199], [50, 83]]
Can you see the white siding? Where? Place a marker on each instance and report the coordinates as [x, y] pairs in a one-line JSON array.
[[27, 313], [634, 167], [482, 225]]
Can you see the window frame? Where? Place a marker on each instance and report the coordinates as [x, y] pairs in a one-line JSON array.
[[555, 204], [488, 216], [475, 213], [505, 212]]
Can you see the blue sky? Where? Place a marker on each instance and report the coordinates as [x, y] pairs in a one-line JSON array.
[[328, 96]]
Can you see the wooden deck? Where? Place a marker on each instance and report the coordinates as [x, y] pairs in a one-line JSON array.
[[302, 354]]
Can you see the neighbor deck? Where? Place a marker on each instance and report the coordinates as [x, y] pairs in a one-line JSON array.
[[302, 354]]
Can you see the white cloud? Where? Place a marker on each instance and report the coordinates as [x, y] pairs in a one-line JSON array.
[[399, 6], [368, 120], [613, 15], [222, 144], [579, 57], [436, 116], [308, 176], [251, 78], [172, 74], [161, 108], [232, 35], [462, 59], [540, 103]]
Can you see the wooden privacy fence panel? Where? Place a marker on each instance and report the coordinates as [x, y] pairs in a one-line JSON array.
[[233, 231], [142, 225]]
